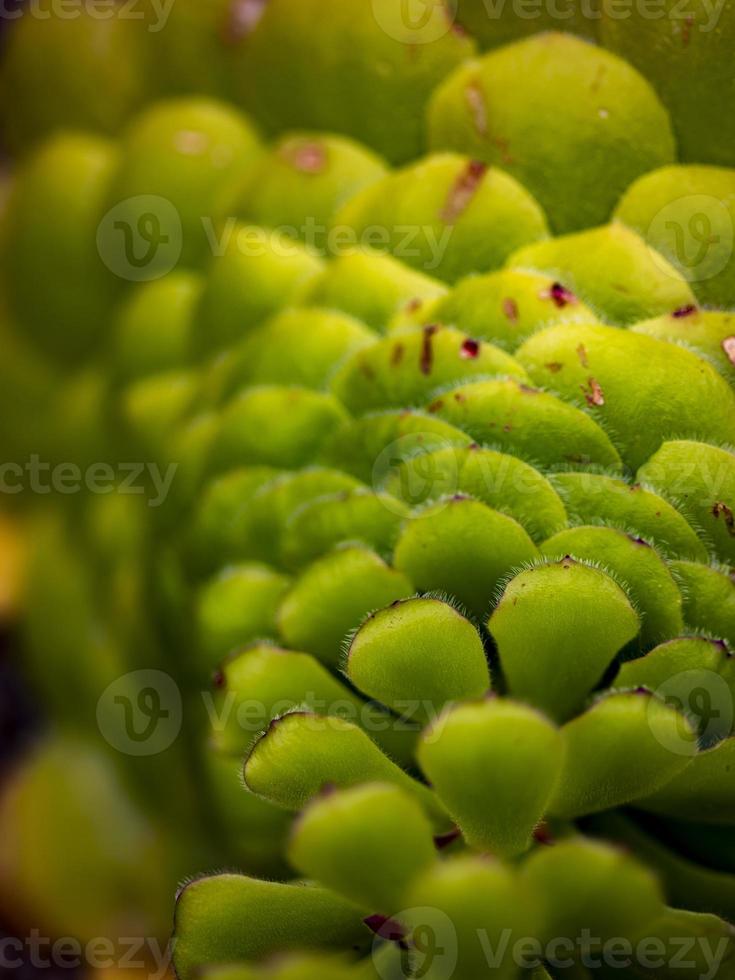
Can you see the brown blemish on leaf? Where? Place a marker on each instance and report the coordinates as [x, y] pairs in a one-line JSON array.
[[397, 354], [686, 31], [510, 308], [728, 346], [503, 146], [464, 189], [426, 360], [436, 406], [528, 390], [367, 370], [599, 76], [582, 355], [554, 366], [722, 510], [593, 393], [459, 397], [413, 305], [475, 98]]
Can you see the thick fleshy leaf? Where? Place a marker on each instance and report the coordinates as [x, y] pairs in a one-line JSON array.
[[700, 479], [526, 421], [636, 566], [587, 885], [494, 765], [467, 915], [230, 917], [704, 791], [557, 628], [368, 843], [592, 498], [417, 655], [302, 753], [333, 596], [464, 549], [615, 752]]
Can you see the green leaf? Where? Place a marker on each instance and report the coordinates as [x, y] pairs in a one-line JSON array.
[[235, 608], [464, 549], [404, 369], [696, 676], [230, 917], [467, 914], [675, 390], [262, 682], [527, 422], [367, 843], [587, 885], [636, 566], [709, 599], [494, 765], [592, 498], [558, 627], [501, 481], [333, 596], [616, 751], [302, 753], [704, 791], [415, 656], [700, 480]]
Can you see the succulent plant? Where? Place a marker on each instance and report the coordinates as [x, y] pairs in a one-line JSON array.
[[444, 577]]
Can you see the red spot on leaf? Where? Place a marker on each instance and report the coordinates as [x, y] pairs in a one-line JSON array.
[[728, 345], [684, 311], [470, 349], [559, 294], [243, 16], [308, 158], [385, 927]]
